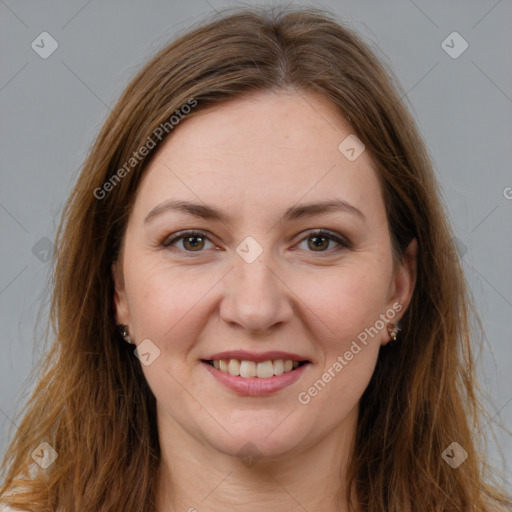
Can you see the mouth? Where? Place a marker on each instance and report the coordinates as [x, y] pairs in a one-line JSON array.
[[247, 369], [250, 374]]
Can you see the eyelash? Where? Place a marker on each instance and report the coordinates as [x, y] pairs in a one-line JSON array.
[[166, 244]]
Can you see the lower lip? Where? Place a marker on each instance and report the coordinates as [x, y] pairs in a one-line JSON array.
[[254, 386]]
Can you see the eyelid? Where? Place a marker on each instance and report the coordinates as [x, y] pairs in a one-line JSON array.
[[333, 236], [168, 240]]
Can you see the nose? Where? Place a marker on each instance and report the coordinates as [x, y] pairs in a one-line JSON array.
[[256, 296]]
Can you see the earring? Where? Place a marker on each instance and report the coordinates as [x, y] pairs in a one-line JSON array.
[[123, 329], [393, 331]]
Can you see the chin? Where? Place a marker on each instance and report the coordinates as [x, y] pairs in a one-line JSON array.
[[249, 440]]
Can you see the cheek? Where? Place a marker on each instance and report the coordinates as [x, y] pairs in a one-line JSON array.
[[162, 299], [347, 306], [344, 300], [338, 389], [168, 307]]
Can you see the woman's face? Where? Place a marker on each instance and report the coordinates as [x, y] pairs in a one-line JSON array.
[[255, 282]]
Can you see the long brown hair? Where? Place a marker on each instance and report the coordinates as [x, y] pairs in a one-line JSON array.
[[92, 403]]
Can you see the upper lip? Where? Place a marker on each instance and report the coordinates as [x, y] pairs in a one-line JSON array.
[[244, 355]]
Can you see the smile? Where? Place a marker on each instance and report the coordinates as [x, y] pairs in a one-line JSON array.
[[261, 370], [255, 378]]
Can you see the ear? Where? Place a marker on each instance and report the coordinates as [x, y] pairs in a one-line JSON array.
[[121, 309], [403, 283]]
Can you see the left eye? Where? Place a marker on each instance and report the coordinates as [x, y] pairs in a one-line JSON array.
[[321, 239], [194, 241]]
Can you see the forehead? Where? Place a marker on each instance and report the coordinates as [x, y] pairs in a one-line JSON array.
[[271, 150]]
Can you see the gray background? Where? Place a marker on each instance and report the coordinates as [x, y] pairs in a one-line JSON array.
[[52, 108]]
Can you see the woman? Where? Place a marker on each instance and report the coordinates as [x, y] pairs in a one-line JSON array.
[[257, 301]]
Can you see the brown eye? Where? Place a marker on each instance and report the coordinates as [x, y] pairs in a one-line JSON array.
[[191, 241], [194, 242], [318, 242]]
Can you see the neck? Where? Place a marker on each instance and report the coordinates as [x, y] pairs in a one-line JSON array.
[[197, 478]]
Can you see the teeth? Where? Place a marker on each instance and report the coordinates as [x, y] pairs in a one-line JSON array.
[[278, 367], [247, 369], [262, 370], [265, 370], [234, 367]]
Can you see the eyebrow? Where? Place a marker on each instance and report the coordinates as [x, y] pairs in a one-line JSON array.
[[206, 212]]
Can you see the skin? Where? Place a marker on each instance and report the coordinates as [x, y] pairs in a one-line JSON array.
[[253, 158]]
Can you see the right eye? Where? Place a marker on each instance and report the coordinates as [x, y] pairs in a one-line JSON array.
[[192, 241]]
